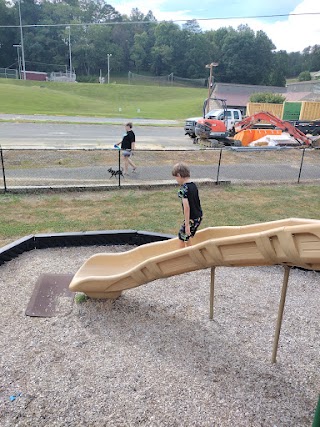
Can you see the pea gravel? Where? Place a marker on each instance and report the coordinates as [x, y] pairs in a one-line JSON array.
[[153, 357]]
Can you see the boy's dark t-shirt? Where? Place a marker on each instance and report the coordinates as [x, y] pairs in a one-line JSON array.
[[127, 140], [189, 191]]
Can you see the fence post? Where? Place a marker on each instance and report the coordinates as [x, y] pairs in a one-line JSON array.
[[301, 165], [3, 171], [217, 180], [119, 165]]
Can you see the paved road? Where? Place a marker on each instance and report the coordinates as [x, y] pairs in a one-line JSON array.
[[150, 135], [59, 135], [82, 119]]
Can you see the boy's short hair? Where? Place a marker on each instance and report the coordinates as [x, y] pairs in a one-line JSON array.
[[129, 124], [181, 169]]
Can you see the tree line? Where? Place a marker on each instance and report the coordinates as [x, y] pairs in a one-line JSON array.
[[141, 44]]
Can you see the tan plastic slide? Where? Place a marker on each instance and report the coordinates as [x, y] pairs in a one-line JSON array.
[[291, 242]]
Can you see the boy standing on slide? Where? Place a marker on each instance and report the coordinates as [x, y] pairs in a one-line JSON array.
[[191, 206]]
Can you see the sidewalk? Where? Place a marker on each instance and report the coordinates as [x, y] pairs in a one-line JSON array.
[[86, 120]]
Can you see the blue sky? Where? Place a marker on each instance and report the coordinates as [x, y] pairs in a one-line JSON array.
[[290, 33]]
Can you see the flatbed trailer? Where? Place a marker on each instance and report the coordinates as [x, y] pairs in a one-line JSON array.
[[311, 127]]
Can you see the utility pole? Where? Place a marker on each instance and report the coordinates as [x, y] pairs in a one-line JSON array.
[[70, 56], [18, 46], [108, 55], [210, 82], [22, 46]]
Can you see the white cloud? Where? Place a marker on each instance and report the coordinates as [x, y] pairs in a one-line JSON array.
[[292, 34], [297, 32]]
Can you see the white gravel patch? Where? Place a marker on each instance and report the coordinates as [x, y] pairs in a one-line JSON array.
[[153, 357]]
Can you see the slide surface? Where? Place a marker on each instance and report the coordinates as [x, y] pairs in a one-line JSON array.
[[293, 242]]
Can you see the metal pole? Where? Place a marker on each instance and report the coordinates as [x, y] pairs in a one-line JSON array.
[[19, 68], [22, 46], [212, 292], [210, 83], [219, 166], [19, 59], [3, 171], [108, 68], [303, 151], [108, 55], [280, 312], [209, 86], [70, 56], [119, 166]]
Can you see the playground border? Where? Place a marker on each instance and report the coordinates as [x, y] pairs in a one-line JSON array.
[[86, 238]]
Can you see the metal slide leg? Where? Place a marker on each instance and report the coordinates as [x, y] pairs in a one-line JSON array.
[[212, 292], [280, 312]]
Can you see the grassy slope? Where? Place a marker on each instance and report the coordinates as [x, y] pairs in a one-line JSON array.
[[26, 214], [19, 97]]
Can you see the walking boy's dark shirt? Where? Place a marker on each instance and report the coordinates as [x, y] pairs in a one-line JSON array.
[[189, 191], [127, 140]]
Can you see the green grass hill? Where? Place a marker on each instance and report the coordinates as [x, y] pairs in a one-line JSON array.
[[90, 99]]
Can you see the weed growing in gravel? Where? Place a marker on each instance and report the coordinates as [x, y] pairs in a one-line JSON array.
[[80, 298]]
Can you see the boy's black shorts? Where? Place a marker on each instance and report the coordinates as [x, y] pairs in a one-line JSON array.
[[194, 224]]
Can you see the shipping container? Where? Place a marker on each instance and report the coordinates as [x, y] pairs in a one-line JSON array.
[[310, 111], [256, 107]]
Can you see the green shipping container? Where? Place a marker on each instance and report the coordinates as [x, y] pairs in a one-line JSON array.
[[291, 110]]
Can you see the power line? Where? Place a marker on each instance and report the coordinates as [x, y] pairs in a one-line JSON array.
[[158, 22]]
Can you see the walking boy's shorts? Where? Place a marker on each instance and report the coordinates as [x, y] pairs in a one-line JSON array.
[[194, 224]]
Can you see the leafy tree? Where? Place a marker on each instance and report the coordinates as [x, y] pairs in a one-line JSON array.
[[294, 64], [142, 44], [8, 36], [315, 58], [98, 12], [304, 76], [198, 51], [161, 59], [263, 49], [192, 26], [140, 51], [240, 57], [162, 54], [279, 69], [267, 97]]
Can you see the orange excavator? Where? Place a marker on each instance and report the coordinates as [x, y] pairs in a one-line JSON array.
[[216, 129], [251, 121]]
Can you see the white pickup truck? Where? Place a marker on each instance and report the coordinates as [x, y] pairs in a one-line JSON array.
[[233, 116]]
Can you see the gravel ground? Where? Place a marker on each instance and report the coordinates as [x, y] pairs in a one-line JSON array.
[[153, 357]]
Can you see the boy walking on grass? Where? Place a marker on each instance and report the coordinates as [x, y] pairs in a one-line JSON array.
[[191, 206]]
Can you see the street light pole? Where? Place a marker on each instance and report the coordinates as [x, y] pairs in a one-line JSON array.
[[70, 56], [22, 46], [19, 59], [108, 55]]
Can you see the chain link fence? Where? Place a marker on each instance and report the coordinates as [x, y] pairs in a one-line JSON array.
[[32, 169], [8, 73]]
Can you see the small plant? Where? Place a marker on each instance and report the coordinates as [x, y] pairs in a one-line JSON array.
[[80, 298], [267, 97]]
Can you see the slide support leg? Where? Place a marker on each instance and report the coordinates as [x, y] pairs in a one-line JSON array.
[[212, 291], [280, 312]]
